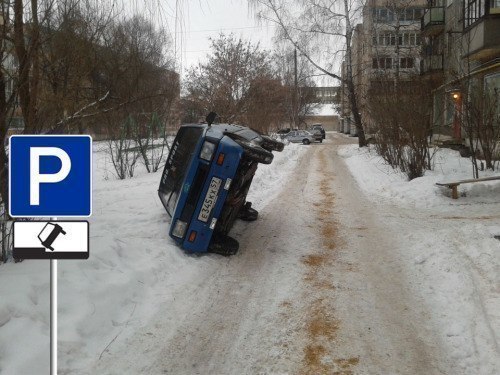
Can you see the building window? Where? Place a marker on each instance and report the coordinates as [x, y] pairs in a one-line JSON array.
[[494, 6], [411, 14], [474, 10], [409, 39], [382, 15], [403, 15], [382, 63], [406, 63]]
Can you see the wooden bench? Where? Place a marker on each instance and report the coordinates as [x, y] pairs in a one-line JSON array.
[[453, 185]]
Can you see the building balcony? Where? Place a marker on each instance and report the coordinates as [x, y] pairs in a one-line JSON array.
[[432, 22], [431, 64], [481, 40]]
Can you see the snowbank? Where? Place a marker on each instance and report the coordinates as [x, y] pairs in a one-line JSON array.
[[381, 180], [133, 263], [450, 252]]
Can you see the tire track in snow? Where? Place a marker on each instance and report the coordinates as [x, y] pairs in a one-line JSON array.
[[322, 325]]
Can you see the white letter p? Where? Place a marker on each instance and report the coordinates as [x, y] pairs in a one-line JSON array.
[[36, 178]]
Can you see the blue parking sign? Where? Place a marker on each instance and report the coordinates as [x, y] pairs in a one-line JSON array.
[[50, 175]]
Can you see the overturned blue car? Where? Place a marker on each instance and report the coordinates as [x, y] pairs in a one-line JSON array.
[[205, 183]]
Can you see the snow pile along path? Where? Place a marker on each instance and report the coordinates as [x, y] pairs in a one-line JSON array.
[[374, 175], [133, 265], [449, 249]]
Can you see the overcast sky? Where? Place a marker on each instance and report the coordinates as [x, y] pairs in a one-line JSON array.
[[202, 19], [197, 20]]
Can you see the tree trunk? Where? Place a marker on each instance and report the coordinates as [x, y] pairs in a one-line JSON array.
[[35, 70], [357, 116], [3, 136], [24, 63], [350, 79], [29, 65]]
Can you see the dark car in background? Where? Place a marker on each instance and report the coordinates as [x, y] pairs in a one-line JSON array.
[[205, 183], [315, 128]]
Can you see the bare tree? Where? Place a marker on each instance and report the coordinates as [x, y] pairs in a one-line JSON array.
[[479, 116], [70, 75], [151, 137], [308, 24], [137, 71], [8, 94], [297, 76], [266, 103], [402, 124], [122, 148], [222, 84], [59, 74]]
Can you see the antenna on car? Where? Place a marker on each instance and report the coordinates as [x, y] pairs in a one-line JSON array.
[[210, 118]]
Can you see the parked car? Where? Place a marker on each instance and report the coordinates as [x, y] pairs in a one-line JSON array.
[[318, 137], [300, 136], [205, 182], [318, 127], [284, 131]]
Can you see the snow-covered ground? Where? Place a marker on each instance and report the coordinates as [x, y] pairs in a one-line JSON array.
[[452, 260], [382, 181], [451, 255], [131, 254]]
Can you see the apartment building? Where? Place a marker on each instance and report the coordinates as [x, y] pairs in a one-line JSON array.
[[385, 48], [461, 52], [453, 45]]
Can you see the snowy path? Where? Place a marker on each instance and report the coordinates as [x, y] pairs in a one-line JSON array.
[[317, 287], [350, 269]]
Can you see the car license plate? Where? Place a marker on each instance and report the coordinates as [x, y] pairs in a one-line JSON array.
[[210, 199]]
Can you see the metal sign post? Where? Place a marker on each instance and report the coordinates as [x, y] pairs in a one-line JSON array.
[[53, 317], [50, 175]]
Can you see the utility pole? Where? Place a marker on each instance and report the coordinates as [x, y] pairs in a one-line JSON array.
[[176, 34], [295, 92]]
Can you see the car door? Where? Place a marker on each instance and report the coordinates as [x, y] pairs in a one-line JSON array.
[[292, 136], [302, 135]]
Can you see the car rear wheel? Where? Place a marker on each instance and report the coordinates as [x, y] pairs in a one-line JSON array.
[[255, 152], [306, 141]]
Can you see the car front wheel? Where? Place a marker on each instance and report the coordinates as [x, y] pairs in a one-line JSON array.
[[306, 141], [271, 144]]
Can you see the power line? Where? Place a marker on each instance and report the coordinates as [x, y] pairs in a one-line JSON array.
[[200, 50], [226, 28]]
